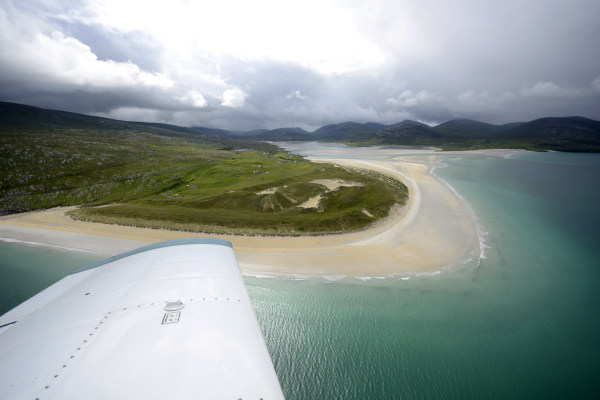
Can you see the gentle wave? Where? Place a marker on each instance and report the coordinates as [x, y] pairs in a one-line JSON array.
[[260, 276], [482, 233], [25, 242], [397, 276]]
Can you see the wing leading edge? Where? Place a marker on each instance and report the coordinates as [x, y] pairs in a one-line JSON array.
[[170, 320]]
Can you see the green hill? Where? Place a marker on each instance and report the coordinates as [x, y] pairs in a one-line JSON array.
[[164, 176], [283, 134], [408, 133], [561, 134], [345, 131]]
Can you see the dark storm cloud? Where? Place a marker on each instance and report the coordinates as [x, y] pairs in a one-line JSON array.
[[137, 47], [497, 62]]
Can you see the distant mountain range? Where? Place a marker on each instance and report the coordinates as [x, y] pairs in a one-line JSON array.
[[562, 134]]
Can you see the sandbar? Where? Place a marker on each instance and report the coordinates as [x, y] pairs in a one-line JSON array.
[[434, 230]]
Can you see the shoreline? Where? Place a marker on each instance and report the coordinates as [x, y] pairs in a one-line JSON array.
[[435, 229]]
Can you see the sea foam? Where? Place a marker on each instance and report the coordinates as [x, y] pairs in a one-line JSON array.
[[482, 233], [29, 243]]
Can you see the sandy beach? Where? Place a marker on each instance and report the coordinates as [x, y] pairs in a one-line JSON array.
[[434, 230]]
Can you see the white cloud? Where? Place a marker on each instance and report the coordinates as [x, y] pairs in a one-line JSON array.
[[234, 98], [320, 34], [410, 99], [296, 95], [550, 90], [273, 63], [134, 114], [37, 58], [471, 97], [193, 98]]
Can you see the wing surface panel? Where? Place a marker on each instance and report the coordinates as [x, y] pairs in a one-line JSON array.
[[168, 322]]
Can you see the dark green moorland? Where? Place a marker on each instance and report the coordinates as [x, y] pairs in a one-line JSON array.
[[163, 176]]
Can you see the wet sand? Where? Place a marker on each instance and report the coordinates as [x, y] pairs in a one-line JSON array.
[[433, 230]]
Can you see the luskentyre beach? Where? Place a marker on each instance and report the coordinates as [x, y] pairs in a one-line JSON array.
[[433, 230]]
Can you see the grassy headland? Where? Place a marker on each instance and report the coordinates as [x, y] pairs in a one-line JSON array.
[[176, 178]]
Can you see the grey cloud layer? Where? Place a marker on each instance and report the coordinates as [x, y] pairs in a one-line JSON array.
[[497, 63]]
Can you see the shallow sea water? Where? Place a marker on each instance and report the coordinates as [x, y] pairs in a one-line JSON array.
[[525, 323]]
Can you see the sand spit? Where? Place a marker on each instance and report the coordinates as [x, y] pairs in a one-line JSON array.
[[433, 230]]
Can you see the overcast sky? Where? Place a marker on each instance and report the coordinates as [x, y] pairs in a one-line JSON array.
[[239, 64]]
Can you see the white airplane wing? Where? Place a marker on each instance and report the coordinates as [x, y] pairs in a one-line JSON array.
[[171, 320]]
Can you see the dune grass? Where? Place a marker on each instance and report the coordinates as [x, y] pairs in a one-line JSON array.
[[152, 177], [252, 193]]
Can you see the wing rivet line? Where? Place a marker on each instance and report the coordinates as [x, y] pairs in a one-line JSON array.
[[72, 356]]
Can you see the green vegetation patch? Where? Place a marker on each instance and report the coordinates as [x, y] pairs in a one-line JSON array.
[[153, 177], [254, 193]]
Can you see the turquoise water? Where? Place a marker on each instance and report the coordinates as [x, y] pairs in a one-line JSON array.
[[27, 269], [524, 324]]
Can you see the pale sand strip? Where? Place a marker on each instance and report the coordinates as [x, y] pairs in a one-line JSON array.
[[433, 230]]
